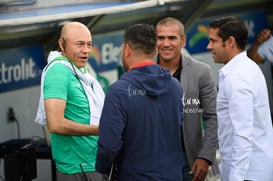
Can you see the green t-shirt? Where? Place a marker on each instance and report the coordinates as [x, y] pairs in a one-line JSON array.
[[70, 151]]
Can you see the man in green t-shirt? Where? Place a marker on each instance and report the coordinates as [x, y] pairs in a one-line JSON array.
[[73, 101]]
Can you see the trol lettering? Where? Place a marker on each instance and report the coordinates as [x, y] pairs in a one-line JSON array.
[[18, 72]]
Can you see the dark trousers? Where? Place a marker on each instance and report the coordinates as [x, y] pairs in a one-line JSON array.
[[186, 168], [86, 176]]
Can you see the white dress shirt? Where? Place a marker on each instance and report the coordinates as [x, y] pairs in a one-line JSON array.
[[245, 128]]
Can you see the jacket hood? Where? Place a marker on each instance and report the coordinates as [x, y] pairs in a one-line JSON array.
[[152, 79]]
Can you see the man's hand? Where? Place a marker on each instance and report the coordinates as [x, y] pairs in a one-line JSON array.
[[252, 52], [199, 169], [263, 36]]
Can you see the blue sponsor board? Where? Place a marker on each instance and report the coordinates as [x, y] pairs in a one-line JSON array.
[[197, 36], [106, 52], [21, 67]]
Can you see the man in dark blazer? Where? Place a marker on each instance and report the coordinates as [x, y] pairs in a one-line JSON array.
[[199, 140]]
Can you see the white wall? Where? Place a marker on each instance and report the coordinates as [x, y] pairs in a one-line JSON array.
[[24, 103]]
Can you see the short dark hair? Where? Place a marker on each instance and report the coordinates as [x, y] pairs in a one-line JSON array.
[[231, 26], [141, 37]]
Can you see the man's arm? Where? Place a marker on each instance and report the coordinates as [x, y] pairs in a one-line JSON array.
[[57, 123], [207, 98], [241, 113], [208, 94], [111, 130], [252, 52]]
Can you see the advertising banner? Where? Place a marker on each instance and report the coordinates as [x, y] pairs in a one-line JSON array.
[[21, 67], [197, 36], [105, 58]]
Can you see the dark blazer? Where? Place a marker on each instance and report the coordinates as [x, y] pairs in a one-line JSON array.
[[199, 100]]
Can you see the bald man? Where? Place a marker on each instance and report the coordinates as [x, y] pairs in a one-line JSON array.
[[72, 113]]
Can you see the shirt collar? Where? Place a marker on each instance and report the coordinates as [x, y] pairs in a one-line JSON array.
[[227, 68], [142, 64]]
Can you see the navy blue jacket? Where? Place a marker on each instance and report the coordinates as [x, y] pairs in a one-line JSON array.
[[141, 126]]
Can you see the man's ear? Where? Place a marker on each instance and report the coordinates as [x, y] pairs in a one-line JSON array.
[[61, 44], [128, 50], [231, 41], [183, 41]]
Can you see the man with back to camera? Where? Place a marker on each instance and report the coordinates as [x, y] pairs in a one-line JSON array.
[[245, 129], [199, 99], [141, 120]]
